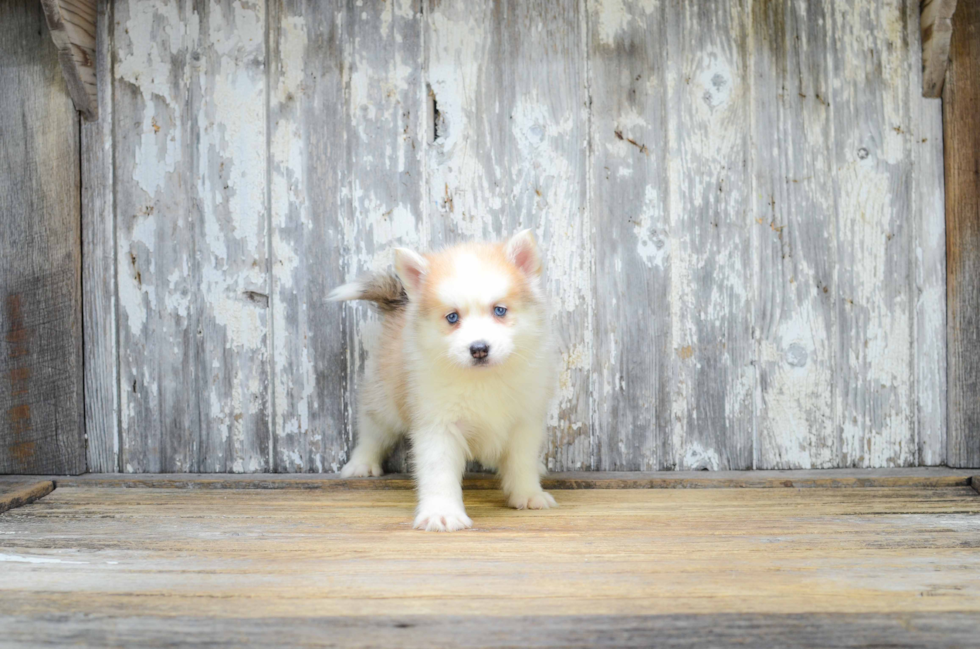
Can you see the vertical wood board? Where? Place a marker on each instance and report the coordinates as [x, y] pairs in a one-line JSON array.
[[711, 269], [191, 168], [510, 152], [629, 204], [386, 132], [961, 131], [99, 268], [41, 427], [309, 210], [928, 255], [793, 222], [872, 156]]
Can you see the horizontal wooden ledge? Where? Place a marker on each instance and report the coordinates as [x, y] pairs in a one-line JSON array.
[[923, 477]]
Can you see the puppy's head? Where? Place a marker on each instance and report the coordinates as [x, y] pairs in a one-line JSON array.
[[479, 305]]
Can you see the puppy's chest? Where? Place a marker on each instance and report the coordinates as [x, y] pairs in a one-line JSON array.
[[480, 406]]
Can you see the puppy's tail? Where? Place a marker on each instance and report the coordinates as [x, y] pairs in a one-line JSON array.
[[384, 289]]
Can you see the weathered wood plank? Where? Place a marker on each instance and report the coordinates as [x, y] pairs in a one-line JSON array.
[[41, 419], [232, 247], [928, 255], [99, 267], [156, 270], [309, 208], [762, 630], [510, 152], [872, 159], [19, 494], [192, 236], [632, 352], [301, 554], [961, 134], [711, 262], [72, 24], [794, 214], [975, 483], [935, 29], [386, 134], [917, 478], [697, 337]]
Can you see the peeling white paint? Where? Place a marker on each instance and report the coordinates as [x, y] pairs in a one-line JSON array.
[[518, 156]]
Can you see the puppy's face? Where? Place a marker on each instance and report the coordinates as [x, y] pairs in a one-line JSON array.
[[477, 303]]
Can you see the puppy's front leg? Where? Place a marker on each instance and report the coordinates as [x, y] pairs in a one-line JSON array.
[[440, 459], [520, 469]]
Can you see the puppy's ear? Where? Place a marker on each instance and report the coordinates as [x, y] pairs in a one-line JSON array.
[[411, 268], [523, 253]]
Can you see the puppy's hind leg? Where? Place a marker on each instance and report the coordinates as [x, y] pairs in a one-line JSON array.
[[374, 439]]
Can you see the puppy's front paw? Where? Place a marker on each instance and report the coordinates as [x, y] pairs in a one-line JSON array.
[[441, 517], [354, 469], [539, 500]]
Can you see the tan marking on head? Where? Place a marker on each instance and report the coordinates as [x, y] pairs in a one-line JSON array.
[[444, 265]]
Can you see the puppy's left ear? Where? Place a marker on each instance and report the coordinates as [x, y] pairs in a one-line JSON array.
[[523, 253], [411, 268]]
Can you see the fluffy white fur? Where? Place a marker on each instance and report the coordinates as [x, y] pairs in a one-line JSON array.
[[426, 383]]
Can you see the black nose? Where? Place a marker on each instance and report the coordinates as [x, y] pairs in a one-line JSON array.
[[479, 349]]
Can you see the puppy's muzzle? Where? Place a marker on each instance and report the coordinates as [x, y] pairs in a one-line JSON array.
[[479, 350]]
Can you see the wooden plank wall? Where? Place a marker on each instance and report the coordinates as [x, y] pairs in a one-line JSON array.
[[961, 96], [740, 205], [41, 427]]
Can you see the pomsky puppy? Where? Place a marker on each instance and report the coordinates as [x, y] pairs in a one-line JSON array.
[[466, 368]]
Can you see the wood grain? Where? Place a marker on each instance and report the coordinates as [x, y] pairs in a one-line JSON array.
[[15, 495], [510, 152], [310, 210], [192, 236], [99, 267], [793, 227], [961, 133], [928, 255], [386, 136], [302, 555], [739, 207], [72, 25], [629, 192], [712, 269], [872, 160], [156, 269], [793, 631], [41, 427], [936, 30], [922, 478]]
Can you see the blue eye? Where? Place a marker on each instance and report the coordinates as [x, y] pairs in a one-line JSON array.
[[452, 318], [500, 311]]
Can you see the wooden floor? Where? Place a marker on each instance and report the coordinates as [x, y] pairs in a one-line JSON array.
[[820, 566]]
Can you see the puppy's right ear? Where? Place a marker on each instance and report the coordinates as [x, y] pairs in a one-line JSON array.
[[411, 268]]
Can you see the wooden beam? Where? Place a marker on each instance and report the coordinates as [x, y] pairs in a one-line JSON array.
[[961, 137], [18, 495], [72, 26], [937, 28], [41, 418], [918, 478]]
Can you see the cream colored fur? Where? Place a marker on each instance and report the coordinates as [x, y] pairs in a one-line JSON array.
[[425, 382]]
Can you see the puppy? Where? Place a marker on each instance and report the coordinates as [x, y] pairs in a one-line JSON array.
[[466, 369]]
